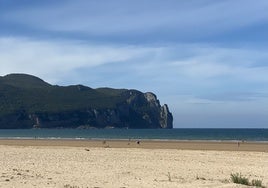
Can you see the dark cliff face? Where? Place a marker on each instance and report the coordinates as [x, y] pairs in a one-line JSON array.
[[40, 105]]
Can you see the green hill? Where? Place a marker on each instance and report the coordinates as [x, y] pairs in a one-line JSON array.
[[27, 101]]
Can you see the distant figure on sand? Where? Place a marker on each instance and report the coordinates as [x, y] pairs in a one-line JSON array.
[[138, 142]]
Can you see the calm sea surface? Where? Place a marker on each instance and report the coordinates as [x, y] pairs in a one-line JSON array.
[[171, 134]]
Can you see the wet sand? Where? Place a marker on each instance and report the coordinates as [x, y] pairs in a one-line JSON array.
[[146, 144]]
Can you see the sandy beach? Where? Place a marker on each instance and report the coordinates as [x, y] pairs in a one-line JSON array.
[[117, 163]]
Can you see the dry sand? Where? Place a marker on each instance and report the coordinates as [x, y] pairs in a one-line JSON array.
[[65, 163]]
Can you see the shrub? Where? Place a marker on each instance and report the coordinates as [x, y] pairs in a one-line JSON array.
[[237, 178], [257, 183]]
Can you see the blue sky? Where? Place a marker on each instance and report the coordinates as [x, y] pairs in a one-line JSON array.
[[206, 59]]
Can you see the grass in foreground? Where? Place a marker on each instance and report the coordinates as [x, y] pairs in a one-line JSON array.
[[257, 183], [239, 179]]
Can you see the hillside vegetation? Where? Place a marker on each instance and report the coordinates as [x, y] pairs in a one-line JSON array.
[[24, 95], [18, 91]]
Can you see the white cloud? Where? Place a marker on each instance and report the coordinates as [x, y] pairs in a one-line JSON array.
[[53, 58], [208, 63]]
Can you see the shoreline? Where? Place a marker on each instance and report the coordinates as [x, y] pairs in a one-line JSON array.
[[224, 145]]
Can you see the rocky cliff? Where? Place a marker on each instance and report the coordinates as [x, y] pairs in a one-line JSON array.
[[29, 102]]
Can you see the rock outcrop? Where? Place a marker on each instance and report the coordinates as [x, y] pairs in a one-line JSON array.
[[42, 105]]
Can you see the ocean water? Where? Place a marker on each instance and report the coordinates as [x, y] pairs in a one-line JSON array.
[[156, 134]]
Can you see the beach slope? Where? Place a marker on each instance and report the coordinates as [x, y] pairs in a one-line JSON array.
[[103, 165]]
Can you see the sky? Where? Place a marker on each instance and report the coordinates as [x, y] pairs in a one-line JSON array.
[[206, 59]]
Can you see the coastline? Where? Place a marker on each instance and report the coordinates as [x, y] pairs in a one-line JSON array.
[[143, 143]]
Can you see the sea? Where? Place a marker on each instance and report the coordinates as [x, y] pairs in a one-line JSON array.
[[256, 135]]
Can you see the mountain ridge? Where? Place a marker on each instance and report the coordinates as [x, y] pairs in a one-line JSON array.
[[30, 102]]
